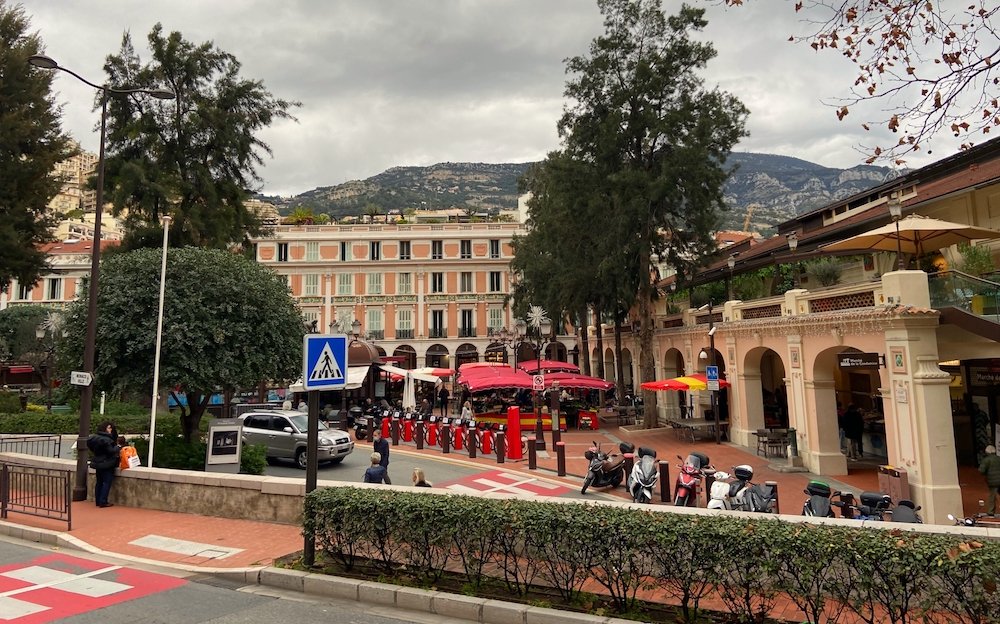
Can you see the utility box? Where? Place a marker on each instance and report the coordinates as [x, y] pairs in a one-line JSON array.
[[894, 482]]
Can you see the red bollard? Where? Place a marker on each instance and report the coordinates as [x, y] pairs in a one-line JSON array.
[[561, 458], [487, 441], [459, 432], [432, 432], [408, 428], [385, 426], [419, 434], [513, 442]]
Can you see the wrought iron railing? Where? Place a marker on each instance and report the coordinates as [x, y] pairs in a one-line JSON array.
[[35, 491], [42, 445]]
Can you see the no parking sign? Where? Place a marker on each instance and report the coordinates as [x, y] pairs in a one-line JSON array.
[[538, 382]]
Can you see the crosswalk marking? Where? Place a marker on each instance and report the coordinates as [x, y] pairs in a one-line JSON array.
[[502, 481], [12, 608], [82, 584]]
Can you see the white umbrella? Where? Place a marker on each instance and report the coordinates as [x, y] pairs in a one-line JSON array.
[[409, 392], [913, 234]]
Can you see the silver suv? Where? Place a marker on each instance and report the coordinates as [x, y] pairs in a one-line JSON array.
[[284, 435]]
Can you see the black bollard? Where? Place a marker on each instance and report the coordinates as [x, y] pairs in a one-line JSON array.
[[774, 488], [561, 458], [664, 481], [532, 453], [501, 448], [418, 433], [709, 480], [629, 464], [394, 430], [471, 441], [445, 433]]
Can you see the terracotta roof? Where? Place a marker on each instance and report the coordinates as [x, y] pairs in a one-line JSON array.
[[75, 246]]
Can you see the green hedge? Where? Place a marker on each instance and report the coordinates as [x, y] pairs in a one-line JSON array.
[[63, 423], [876, 575]]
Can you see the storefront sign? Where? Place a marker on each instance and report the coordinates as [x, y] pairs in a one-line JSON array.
[[858, 360], [984, 377]]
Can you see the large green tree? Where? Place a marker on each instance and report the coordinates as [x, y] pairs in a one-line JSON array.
[[194, 157], [31, 143], [657, 139], [228, 322]]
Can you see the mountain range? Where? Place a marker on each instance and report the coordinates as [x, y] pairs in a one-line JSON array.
[[766, 189]]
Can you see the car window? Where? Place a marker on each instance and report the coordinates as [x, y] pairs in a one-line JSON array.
[[278, 423], [256, 422]]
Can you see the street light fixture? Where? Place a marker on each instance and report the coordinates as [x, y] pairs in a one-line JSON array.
[[731, 262], [89, 346], [896, 211], [43, 328], [515, 339], [165, 219], [793, 244], [711, 357]]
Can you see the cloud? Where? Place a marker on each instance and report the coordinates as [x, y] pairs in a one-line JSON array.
[[414, 82]]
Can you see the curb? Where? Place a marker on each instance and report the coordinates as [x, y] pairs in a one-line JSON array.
[[483, 610]]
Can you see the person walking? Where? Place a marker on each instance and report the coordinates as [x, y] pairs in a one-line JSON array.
[[854, 430], [467, 411], [376, 473], [104, 458], [990, 467], [419, 480], [381, 446]]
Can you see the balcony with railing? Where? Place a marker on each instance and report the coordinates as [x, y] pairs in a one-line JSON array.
[[404, 334], [438, 332], [466, 332]]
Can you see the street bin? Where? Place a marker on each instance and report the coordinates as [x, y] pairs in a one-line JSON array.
[[894, 482]]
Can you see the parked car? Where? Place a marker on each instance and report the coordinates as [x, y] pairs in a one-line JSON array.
[[284, 434]]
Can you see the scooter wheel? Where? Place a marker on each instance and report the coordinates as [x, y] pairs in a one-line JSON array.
[[360, 434], [616, 481], [586, 483], [681, 500]]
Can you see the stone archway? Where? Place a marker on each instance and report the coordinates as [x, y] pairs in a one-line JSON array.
[[408, 352], [765, 395], [465, 353], [822, 402], [556, 351], [675, 403], [609, 364], [628, 372], [436, 356]]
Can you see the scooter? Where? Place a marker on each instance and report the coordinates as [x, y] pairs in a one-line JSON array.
[[973, 520], [818, 504], [644, 476], [605, 470], [692, 471], [739, 494], [871, 506], [906, 511]]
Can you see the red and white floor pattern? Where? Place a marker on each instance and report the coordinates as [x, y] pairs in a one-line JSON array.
[[52, 587], [507, 482]]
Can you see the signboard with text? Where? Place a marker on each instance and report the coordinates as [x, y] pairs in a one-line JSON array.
[[859, 361]]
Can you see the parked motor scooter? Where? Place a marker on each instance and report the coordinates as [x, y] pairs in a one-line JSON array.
[[644, 476], [818, 504], [871, 506], [906, 511], [692, 471], [605, 470], [739, 493], [973, 520]]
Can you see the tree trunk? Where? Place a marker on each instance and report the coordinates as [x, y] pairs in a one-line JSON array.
[[619, 365], [647, 363], [585, 342], [600, 342], [191, 418]]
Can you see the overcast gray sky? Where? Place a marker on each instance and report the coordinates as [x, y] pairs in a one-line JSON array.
[[416, 82]]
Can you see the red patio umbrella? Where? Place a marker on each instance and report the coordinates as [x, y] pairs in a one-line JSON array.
[[696, 381], [574, 380], [533, 366]]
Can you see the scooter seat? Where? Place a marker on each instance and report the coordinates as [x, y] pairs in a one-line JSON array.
[[613, 463]]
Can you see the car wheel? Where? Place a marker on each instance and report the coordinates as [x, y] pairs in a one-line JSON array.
[[300, 459]]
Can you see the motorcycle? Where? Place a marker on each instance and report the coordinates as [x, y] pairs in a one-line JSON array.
[[871, 506], [644, 476], [819, 502], [739, 493], [973, 520], [906, 511], [605, 470], [692, 471]]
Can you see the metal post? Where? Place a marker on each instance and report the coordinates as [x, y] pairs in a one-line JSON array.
[[418, 432], [714, 393], [555, 414], [664, 481], [561, 458], [501, 448], [394, 430], [471, 441], [312, 464], [532, 454], [159, 340], [445, 433]]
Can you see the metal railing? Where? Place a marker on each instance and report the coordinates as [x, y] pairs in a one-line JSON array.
[[41, 492], [960, 290], [41, 445]]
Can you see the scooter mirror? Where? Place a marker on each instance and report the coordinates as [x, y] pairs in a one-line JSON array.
[[952, 518]]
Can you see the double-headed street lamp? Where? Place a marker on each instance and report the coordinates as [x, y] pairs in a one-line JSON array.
[[87, 393], [711, 361], [537, 339]]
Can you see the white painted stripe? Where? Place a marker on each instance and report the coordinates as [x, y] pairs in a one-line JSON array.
[[42, 577], [184, 547], [13, 609], [458, 487]]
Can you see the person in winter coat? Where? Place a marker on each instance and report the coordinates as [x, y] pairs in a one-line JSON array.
[[381, 446], [990, 467], [376, 473], [104, 458], [854, 431], [419, 480]]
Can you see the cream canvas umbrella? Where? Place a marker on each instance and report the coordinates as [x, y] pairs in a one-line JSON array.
[[913, 234]]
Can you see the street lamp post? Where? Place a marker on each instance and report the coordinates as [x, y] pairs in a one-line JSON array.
[[711, 360], [90, 339], [793, 244], [731, 262], [166, 219], [896, 211], [515, 339]]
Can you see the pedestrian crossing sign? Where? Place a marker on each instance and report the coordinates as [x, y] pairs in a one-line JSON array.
[[324, 361]]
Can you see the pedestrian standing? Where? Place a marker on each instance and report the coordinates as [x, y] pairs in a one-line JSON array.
[[104, 458], [854, 430], [381, 446], [467, 410], [990, 467], [376, 473], [443, 395], [419, 480]]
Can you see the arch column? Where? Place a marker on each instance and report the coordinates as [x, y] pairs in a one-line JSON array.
[[750, 400], [819, 435]]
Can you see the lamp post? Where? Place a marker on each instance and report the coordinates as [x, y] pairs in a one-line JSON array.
[[731, 262], [896, 211], [90, 339], [711, 362], [165, 219], [515, 339], [793, 244]]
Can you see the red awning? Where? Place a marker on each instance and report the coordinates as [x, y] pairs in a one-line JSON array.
[[531, 366], [19, 370], [477, 379], [574, 380]]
